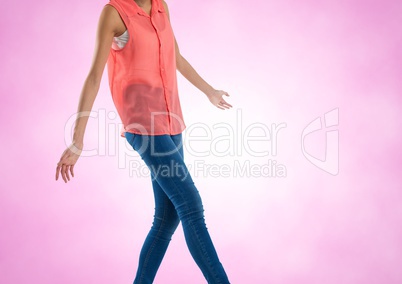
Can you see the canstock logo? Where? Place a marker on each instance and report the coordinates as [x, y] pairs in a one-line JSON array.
[[330, 164]]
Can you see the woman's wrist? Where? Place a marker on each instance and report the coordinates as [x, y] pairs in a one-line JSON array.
[[78, 136], [209, 91], [78, 142]]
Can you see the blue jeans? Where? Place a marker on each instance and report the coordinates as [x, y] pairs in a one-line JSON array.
[[176, 199]]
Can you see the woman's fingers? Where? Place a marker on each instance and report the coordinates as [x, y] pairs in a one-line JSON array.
[[63, 170], [228, 104], [217, 100], [222, 106], [71, 170], [57, 171], [63, 173], [225, 104], [59, 168], [67, 169], [65, 166]]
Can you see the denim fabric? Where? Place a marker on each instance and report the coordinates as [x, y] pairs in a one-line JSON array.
[[176, 199]]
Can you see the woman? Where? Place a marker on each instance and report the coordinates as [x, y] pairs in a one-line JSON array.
[[136, 39]]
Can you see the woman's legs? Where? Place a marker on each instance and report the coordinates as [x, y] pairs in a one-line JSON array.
[[175, 197], [157, 241]]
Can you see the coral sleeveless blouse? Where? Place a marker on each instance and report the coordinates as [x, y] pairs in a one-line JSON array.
[[142, 75]]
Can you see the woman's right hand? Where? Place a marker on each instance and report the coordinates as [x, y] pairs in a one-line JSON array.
[[68, 160]]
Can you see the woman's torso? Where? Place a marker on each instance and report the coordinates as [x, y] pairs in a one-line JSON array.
[[142, 73]]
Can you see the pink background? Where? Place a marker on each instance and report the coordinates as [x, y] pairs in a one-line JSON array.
[[281, 62]]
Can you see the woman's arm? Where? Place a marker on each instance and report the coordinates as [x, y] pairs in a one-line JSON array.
[[108, 26], [185, 68]]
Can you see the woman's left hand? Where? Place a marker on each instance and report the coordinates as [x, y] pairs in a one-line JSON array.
[[215, 97]]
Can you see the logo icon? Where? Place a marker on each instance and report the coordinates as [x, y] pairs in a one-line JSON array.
[[330, 164]]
